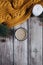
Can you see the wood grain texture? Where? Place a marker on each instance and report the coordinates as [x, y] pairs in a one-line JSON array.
[[36, 42], [27, 52], [20, 49], [6, 52]]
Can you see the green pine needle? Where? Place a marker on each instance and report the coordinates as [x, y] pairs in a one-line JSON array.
[[3, 30]]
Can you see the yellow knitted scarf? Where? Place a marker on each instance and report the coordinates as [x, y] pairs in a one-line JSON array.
[[14, 12]]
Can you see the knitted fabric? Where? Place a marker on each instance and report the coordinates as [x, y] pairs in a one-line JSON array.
[[14, 12]]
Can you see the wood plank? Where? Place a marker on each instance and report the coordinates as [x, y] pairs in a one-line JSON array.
[[36, 42], [20, 49], [6, 51]]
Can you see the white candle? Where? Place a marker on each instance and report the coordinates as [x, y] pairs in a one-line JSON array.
[[37, 10]]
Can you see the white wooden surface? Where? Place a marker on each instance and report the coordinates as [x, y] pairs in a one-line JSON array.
[[6, 52], [20, 49], [27, 52], [36, 42]]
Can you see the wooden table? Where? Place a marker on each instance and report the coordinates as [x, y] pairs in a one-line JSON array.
[[27, 52]]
